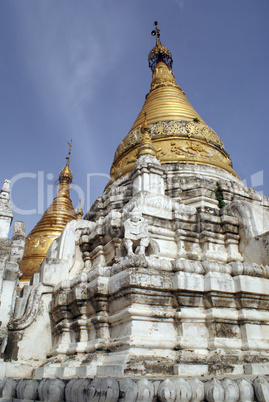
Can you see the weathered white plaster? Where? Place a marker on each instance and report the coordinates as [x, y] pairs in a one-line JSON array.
[[166, 295], [6, 214]]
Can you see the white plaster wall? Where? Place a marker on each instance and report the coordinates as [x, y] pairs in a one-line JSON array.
[[4, 226], [6, 301], [36, 339]]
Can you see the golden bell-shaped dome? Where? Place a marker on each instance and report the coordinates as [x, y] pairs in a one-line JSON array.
[[177, 132], [50, 226]]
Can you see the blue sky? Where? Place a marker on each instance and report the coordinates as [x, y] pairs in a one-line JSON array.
[[77, 69]]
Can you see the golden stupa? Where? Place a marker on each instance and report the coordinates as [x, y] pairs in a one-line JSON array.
[[178, 133], [50, 226], [79, 211]]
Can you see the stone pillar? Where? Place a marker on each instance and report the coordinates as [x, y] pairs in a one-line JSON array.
[[11, 252], [148, 175], [6, 214]]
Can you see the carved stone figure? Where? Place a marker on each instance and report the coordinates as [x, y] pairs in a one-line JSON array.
[[136, 233]]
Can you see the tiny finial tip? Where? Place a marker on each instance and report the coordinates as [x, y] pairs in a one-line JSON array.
[[70, 146]]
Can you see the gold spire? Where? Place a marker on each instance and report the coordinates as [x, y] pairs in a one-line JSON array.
[[178, 133], [146, 147], [50, 226], [66, 174], [79, 212], [166, 101]]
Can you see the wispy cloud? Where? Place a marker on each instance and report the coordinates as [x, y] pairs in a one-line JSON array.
[[66, 70]]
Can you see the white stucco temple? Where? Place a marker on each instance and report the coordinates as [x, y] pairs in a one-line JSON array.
[[161, 291]]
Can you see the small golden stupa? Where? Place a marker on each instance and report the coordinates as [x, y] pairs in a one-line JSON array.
[[79, 211], [146, 147], [50, 226], [177, 132]]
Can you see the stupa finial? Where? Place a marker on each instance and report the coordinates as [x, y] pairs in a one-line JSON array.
[[159, 52], [66, 173], [156, 32], [70, 147]]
